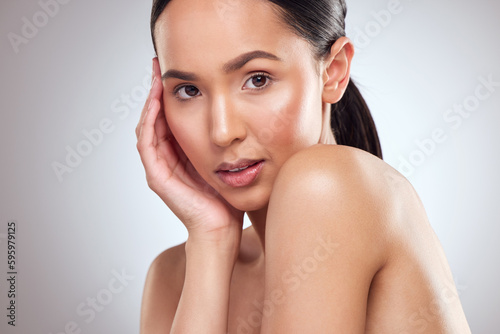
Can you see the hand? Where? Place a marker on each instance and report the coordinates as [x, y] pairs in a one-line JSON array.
[[171, 175]]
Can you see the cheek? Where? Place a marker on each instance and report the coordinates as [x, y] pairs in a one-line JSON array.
[[186, 128], [290, 117]]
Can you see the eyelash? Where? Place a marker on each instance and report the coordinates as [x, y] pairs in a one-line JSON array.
[[258, 74], [261, 74]]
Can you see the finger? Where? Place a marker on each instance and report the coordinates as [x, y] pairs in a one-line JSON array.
[[145, 107], [146, 140], [155, 91], [161, 125]]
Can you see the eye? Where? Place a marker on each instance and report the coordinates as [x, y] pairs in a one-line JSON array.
[[258, 81], [186, 92]]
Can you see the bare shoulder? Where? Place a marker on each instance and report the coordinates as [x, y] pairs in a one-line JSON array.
[[335, 178], [328, 233], [162, 290], [336, 162], [350, 194], [347, 234]]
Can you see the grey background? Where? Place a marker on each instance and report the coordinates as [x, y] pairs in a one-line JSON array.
[[74, 235]]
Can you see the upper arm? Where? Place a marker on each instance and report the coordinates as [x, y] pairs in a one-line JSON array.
[[162, 291], [324, 242]]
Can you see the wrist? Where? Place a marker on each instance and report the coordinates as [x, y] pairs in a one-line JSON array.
[[225, 237], [210, 248], [204, 302]]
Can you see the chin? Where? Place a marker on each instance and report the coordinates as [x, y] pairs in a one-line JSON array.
[[249, 200]]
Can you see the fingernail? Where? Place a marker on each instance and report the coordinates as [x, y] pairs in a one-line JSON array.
[[150, 103]]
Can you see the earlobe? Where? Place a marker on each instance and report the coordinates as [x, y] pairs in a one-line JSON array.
[[337, 70]]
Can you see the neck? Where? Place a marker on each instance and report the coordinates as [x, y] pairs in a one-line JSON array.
[[327, 136], [258, 219]]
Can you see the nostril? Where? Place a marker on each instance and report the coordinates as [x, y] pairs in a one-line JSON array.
[[227, 127]]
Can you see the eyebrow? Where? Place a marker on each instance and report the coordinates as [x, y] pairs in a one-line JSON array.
[[231, 66]]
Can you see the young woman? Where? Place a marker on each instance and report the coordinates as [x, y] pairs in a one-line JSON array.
[[252, 111]]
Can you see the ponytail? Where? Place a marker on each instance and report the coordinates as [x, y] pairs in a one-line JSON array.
[[352, 123]]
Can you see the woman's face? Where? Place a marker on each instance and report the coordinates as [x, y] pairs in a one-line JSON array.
[[240, 88]]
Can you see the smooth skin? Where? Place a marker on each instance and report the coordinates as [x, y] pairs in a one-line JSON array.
[[339, 242]]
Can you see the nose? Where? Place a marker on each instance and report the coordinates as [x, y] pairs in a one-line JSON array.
[[228, 124]]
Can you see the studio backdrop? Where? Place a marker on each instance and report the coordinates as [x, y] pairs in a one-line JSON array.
[[79, 226]]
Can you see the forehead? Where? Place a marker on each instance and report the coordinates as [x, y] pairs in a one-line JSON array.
[[191, 32]]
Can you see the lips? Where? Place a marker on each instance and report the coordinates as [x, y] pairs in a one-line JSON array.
[[239, 165], [241, 173]]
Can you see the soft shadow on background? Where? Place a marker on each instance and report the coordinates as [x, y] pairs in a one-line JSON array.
[[74, 76]]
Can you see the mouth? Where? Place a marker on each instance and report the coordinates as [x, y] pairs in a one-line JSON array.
[[241, 173], [239, 165]]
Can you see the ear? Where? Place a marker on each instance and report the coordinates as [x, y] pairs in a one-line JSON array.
[[337, 69]]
